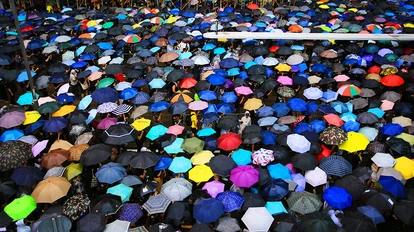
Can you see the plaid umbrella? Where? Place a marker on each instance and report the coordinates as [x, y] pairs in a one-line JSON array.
[[263, 157], [333, 136], [75, 206], [231, 200], [304, 202], [130, 212], [157, 204], [336, 166]]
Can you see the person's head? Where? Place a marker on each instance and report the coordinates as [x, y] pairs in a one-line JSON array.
[[247, 114]]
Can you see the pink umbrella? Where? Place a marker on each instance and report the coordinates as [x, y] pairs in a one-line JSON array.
[[285, 80], [175, 130], [38, 147], [291, 168], [341, 77], [106, 123], [387, 105], [213, 188], [244, 176], [243, 90], [43, 100], [198, 105]]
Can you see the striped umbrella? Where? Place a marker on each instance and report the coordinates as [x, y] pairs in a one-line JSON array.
[[185, 96], [156, 204], [336, 166], [349, 90], [131, 39], [122, 109]]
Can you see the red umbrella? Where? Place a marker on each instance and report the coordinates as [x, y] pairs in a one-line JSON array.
[[333, 119], [392, 80], [229, 141], [274, 48], [253, 6], [324, 153], [187, 83], [374, 69]]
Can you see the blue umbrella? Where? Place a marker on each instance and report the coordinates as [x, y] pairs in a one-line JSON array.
[[297, 104], [377, 111], [55, 124], [229, 97], [211, 108], [158, 106], [209, 117], [392, 185], [326, 109], [30, 129], [372, 213], [336, 166], [105, 45], [265, 111], [339, 107], [175, 147], [79, 64], [11, 135], [225, 108], [269, 138], [27, 176], [23, 76], [274, 190], [267, 121], [351, 126], [392, 129], [216, 79], [58, 78], [208, 47], [105, 95], [208, 210], [231, 200], [279, 171], [128, 93], [281, 109], [163, 163], [156, 83], [318, 125], [275, 207], [85, 102], [337, 198], [207, 95], [180, 165], [348, 117], [110, 173], [139, 83], [26, 99], [66, 98], [229, 63], [206, 132], [312, 107], [140, 98], [320, 68], [329, 96], [301, 127], [156, 131], [242, 157]]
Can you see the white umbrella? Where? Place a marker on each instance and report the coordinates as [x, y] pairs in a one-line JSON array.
[[214, 27], [383, 160], [117, 60], [313, 93], [177, 189], [314, 79], [122, 85], [270, 61], [104, 60], [63, 89], [48, 50], [294, 59], [316, 177], [200, 60], [117, 225], [369, 132], [55, 171], [62, 39], [257, 219], [298, 143]]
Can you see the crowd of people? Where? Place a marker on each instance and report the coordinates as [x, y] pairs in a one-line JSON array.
[[139, 123]]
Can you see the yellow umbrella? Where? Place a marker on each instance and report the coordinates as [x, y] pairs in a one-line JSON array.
[[31, 117], [405, 166], [202, 157], [200, 173], [51, 189], [407, 137], [91, 23], [136, 25], [141, 124], [65, 145], [73, 170], [403, 121], [171, 19], [253, 104], [283, 68], [222, 40], [64, 110], [356, 142]]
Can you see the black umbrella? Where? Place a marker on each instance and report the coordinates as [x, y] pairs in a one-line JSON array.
[[91, 48], [367, 118], [352, 184], [147, 188], [176, 212], [144, 160], [178, 108], [175, 75], [252, 200], [202, 85], [379, 199], [305, 161], [95, 154], [269, 84], [113, 69], [115, 31], [281, 154], [222, 165], [178, 36], [7, 190], [166, 140], [264, 176], [316, 222], [11, 75], [78, 116], [160, 227], [404, 210], [284, 51], [399, 146], [251, 134], [57, 68], [55, 224], [92, 222], [5, 219], [201, 228], [119, 134], [363, 173], [228, 122], [356, 221], [27, 176], [106, 204], [256, 70], [260, 50]]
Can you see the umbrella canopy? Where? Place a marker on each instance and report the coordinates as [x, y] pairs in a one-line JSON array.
[[208, 210], [337, 198], [51, 189], [304, 202], [257, 219], [317, 221], [20, 208]]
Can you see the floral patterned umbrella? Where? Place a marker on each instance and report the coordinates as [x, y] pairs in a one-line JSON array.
[[75, 206], [14, 154], [263, 157]]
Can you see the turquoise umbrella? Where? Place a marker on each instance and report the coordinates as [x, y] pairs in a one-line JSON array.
[[85, 102], [11, 135], [233, 72], [242, 157], [175, 147], [23, 76], [219, 51], [185, 55], [275, 207], [180, 165], [156, 131], [377, 111], [249, 64], [121, 190], [26, 99], [206, 132], [80, 50], [348, 117], [279, 171]]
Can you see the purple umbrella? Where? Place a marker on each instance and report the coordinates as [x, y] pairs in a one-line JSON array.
[[12, 119], [244, 176], [213, 187], [55, 124], [38, 147]]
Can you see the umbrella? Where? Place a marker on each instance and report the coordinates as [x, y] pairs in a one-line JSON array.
[[304, 202], [336, 166], [318, 221], [213, 188], [202, 157], [143, 160], [316, 177], [379, 199], [54, 158], [274, 190], [119, 134], [372, 213], [117, 225], [298, 143], [180, 165], [405, 166], [242, 157], [352, 185], [27, 176], [357, 221], [257, 219], [262, 157], [304, 161], [176, 189], [122, 191], [58, 223], [92, 222], [51, 189], [333, 136], [383, 160], [227, 224], [20, 208], [392, 185], [403, 209], [95, 154], [356, 142], [12, 119], [244, 176], [231, 200], [156, 204], [13, 154], [110, 173], [130, 212], [208, 210], [222, 165], [337, 198], [192, 145]]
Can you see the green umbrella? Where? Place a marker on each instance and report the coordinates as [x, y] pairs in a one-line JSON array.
[[107, 25], [106, 82], [318, 221], [193, 145], [65, 45], [49, 107], [391, 57], [21, 207]]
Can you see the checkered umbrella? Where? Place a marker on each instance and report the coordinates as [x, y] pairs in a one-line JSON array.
[[336, 166], [231, 200], [304, 202], [122, 109], [157, 204]]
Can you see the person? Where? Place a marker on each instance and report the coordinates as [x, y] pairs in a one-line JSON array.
[[73, 81], [194, 123], [22, 227], [246, 120]]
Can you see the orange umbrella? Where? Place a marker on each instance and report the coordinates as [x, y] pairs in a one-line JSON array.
[[162, 42], [252, 6], [51, 189], [295, 28], [54, 158], [76, 152], [95, 76], [169, 56], [65, 145], [333, 119], [185, 96]]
